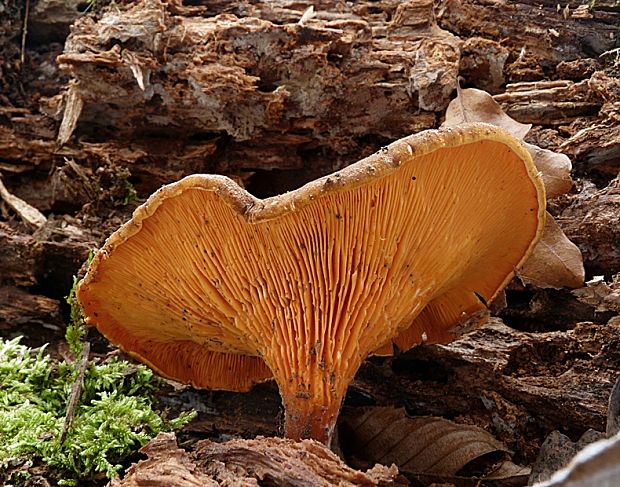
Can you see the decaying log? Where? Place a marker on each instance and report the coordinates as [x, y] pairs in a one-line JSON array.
[[50, 20], [592, 221], [167, 464], [586, 114], [19, 259], [19, 308], [263, 461], [255, 80], [303, 98], [549, 102], [538, 34]]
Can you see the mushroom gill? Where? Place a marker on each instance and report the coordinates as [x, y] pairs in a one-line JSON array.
[[213, 287]]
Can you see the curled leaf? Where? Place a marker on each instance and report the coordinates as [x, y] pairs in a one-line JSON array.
[[555, 169], [556, 262], [423, 445]]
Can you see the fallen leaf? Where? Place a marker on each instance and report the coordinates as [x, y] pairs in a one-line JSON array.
[[424, 446], [472, 105], [555, 169], [508, 470], [556, 262]]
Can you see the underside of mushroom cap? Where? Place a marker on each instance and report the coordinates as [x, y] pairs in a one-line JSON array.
[[214, 287]]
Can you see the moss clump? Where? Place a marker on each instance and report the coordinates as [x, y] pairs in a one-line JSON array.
[[114, 416]]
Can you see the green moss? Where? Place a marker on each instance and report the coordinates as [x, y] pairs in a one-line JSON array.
[[114, 417]]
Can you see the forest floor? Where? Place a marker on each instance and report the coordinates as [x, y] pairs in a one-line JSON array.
[[102, 104]]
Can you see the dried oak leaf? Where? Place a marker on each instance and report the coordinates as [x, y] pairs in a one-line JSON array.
[[429, 447], [556, 262], [555, 169], [472, 105]]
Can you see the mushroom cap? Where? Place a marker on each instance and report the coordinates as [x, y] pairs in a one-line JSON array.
[[213, 287]]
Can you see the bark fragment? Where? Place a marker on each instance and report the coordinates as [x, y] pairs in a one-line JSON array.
[[592, 222], [272, 461]]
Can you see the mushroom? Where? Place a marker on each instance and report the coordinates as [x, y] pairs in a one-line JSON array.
[[213, 287]]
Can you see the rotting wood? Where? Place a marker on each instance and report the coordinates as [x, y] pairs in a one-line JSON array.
[[33, 164], [537, 33], [586, 114], [273, 461], [549, 102], [592, 221], [226, 74], [20, 257], [29, 214], [517, 384], [19, 307]]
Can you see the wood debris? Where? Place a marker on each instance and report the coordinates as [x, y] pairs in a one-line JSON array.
[[255, 462], [26, 212]]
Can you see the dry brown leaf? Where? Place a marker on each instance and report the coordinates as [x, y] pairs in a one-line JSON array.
[[508, 470], [556, 262], [555, 169], [472, 105], [423, 445]]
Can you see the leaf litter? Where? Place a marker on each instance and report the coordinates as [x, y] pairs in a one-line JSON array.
[[426, 449]]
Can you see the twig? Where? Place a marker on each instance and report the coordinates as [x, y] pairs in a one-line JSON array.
[[76, 391], [24, 33], [28, 213]]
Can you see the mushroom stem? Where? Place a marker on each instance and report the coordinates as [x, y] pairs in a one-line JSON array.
[[305, 417]]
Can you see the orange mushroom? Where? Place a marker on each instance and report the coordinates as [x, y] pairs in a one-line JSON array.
[[213, 287]]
